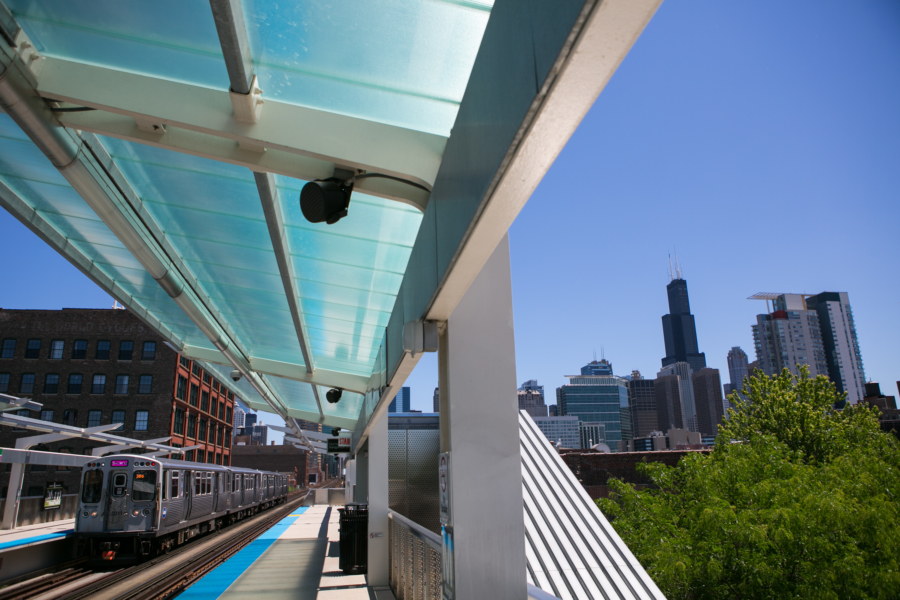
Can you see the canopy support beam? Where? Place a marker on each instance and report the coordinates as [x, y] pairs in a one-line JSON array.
[[229, 17]]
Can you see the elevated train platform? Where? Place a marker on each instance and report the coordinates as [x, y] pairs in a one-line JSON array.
[[296, 559]]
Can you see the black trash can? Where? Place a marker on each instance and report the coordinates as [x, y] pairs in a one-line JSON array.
[[354, 546]]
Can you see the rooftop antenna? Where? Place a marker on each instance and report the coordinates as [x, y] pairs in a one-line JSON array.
[[602, 353], [671, 276], [117, 306], [677, 266]]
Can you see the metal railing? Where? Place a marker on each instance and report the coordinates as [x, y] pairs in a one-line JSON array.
[[415, 562]]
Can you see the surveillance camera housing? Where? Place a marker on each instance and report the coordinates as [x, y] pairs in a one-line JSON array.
[[336, 431], [334, 395], [325, 200], [236, 375]]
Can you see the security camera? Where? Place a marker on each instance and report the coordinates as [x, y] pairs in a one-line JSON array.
[[236, 375], [334, 395], [336, 431]]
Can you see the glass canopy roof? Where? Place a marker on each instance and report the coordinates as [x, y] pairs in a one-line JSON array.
[[400, 63]]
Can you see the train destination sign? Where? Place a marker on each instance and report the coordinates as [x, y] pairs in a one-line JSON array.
[[339, 444]]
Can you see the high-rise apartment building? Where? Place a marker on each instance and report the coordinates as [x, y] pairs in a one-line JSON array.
[[436, 400], [688, 408], [789, 336], [597, 367], [239, 415], [642, 400], [842, 355], [708, 400], [531, 398], [400, 403], [552, 411], [591, 434], [563, 431], [738, 367], [597, 399], [679, 328]]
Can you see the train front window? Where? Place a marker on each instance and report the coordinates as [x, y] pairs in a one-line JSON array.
[[143, 488], [92, 488], [173, 493]]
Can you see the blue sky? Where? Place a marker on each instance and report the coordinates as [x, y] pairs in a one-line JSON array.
[[762, 139]]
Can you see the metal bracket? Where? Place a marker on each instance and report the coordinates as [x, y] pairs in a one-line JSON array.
[[420, 336], [28, 53], [150, 125], [247, 107]]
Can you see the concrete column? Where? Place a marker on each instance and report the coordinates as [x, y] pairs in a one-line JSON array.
[[361, 491], [377, 571], [480, 429]]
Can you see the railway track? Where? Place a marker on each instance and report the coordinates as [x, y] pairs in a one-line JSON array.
[[159, 578]]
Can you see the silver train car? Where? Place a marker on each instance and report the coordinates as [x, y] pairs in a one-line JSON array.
[[135, 506]]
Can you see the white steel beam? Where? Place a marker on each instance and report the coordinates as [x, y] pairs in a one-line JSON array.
[[119, 447], [290, 140], [8, 402]]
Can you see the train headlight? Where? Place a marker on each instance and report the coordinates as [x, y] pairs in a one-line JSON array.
[[135, 512], [85, 514], [94, 513], [146, 512]]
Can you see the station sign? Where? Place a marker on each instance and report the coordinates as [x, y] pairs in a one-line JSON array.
[[340, 444], [444, 487]]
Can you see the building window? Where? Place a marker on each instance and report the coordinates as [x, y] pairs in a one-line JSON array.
[[145, 384], [218, 458], [125, 349], [99, 385], [47, 415], [51, 383], [204, 401], [70, 416], [4, 382], [102, 350], [56, 349], [228, 414], [216, 385], [74, 386], [27, 386], [179, 421], [196, 370], [184, 362], [222, 410], [201, 456], [121, 384], [210, 457], [118, 416], [33, 349], [195, 391], [207, 379], [79, 349], [94, 418], [181, 387], [202, 434], [140, 420], [65, 450], [230, 396], [149, 351], [9, 348], [192, 424]]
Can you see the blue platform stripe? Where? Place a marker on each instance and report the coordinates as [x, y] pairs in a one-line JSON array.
[[213, 584], [32, 540]]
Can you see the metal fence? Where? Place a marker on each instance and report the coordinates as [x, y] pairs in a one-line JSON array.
[[415, 560]]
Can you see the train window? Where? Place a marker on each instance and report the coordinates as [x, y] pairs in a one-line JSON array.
[[119, 481], [209, 487], [143, 488], [173, 491], [92, 487], [165, 485], [197, 484]]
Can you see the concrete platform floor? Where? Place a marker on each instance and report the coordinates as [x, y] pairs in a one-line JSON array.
[[32, 534], [296, 559]]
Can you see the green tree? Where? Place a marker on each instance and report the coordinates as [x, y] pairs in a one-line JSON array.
[[798, 500]]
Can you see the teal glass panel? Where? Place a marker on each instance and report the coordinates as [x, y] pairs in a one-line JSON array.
[[399, 62]]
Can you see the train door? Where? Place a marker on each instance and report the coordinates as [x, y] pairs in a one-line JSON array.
[[229, 496], [117, 506], [217, 484], [186, 483]]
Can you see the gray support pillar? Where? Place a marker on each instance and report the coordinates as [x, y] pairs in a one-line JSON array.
[[479, 418], [361, 492], [13, 492], [377, 569]]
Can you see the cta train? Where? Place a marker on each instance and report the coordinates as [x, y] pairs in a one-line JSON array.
[[135, 506]]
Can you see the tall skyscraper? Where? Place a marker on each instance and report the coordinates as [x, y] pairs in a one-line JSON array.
[[437, 399], [597, 399], [667, 391], [642, 400], [239, 415], [597, 367], [708, 400], [679, 329], [738, 367], [682, 371], [552, 411], [560, 430], [845, 364], [400, 403], [531, 398]]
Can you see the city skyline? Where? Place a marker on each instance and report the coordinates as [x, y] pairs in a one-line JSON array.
[[732, 135]]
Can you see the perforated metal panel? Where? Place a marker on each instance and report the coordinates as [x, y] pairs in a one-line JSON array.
[[397, 479], [423, 502]]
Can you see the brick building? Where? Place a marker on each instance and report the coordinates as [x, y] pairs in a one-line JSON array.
[[594, 469], [90, 367], [283, 459]]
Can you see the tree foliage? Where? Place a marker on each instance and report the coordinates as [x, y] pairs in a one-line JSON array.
[[798, 500]]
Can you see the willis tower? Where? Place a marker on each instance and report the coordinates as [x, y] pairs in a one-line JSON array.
[[679, 329]]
